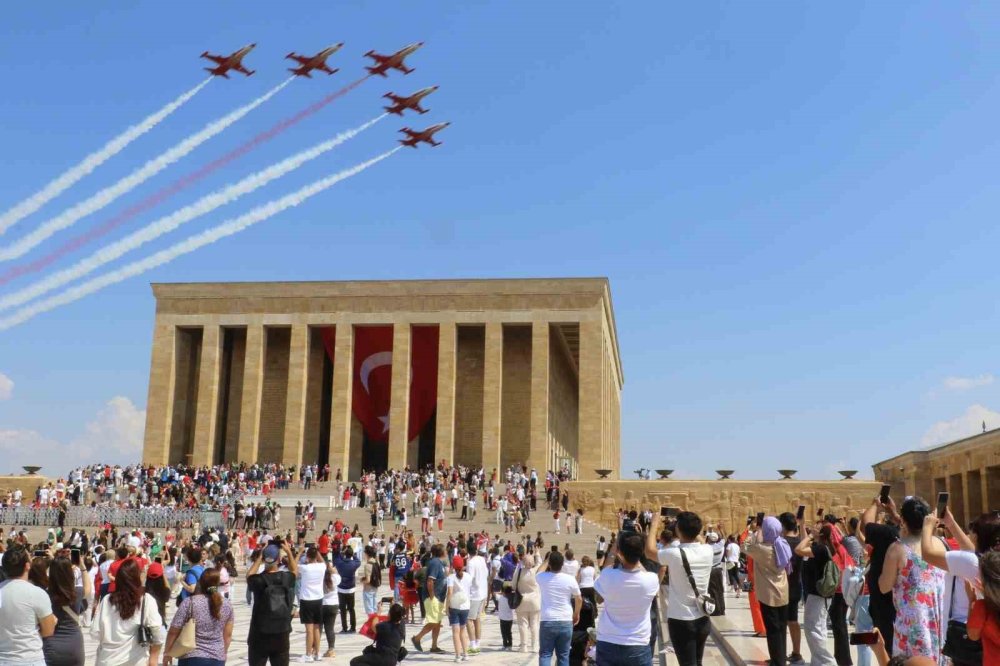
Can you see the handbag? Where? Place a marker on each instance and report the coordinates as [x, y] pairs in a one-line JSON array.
[[706, 602], [185, 641], [957, 645], [516, 598], [145, 633]]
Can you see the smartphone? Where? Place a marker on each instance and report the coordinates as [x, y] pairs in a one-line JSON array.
[[387, 600], [883, 497], [664, 511], [942, 504], [864, 638], [40, 553], [801, 513], [819, 513], [74, 556], [760, 518]]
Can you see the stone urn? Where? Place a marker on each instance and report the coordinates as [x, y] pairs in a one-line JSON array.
[[787, 474], [724, 473], [31, 469], [664, 473], [848, 474], [603, 473]]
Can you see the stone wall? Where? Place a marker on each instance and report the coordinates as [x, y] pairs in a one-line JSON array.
[[728, 502], [27, 483]]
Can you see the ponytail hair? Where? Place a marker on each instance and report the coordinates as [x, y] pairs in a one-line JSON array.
[[208, 585]]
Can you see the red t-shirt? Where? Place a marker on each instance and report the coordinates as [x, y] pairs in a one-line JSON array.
[[323, 543], [979, 618]]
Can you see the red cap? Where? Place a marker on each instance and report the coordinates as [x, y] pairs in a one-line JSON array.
[[155, 570], [457, 562]]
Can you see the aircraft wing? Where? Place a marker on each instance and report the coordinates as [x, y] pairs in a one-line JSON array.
[[377, 57], [302, 60], [218, 60]]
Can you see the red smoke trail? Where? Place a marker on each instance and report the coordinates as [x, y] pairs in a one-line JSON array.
[[174, 188]]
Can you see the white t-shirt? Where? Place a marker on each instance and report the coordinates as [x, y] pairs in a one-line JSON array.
[[965, 565], [311, 581], [558, 592], [466, 586], [627, 596], [571, 567], [22, 606], [732, 552], [479, 572], [330, 598], [682, 601], [587, 576]]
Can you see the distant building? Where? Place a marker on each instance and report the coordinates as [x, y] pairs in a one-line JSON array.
[[968, 469], [385, 374]]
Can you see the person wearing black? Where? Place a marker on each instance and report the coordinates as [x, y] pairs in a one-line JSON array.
[[880, 536], [792, 535], [273, 593]]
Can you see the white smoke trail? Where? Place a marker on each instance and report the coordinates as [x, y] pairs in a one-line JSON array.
[[168, 223], [148, 170], [92, 161], [187, 246]]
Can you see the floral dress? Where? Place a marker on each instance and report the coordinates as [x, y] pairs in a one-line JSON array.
[[918, 596]]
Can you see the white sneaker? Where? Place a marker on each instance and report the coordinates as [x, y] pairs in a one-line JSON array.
[[305, 659]]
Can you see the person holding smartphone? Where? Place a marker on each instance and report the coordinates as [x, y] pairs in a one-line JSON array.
[[772, 559]]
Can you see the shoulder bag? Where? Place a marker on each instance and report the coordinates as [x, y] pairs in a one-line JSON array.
[[957, 644], [145, 633], [516, 598], [705, 602]]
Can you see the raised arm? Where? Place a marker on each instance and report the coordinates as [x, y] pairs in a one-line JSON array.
[[931, 548], [654, 528], [964, 542], [890, 570]]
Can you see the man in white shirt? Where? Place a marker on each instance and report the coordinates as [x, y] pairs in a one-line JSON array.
[[623, 629], [480, 573], [561, 603], [687, 622], [25, 613]]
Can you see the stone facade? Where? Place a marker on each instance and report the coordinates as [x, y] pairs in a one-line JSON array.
[[528, 371], [968, 469], [727, 502]]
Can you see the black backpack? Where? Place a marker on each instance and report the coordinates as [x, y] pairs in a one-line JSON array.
[[272, 612], [375, 579]]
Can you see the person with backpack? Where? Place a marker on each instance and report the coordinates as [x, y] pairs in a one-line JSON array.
[[194, 572], [820, 578], [273, 594]]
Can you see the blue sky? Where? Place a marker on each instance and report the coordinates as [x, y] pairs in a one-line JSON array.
[[795, 204]]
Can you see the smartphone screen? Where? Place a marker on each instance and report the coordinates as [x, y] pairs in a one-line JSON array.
[[864, 638], [801, 513], [883, 497], [942, 504], [664, 511], [74, 556], [760, 518], [819, 513]]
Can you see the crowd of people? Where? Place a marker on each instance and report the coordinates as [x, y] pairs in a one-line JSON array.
[[917, 589]]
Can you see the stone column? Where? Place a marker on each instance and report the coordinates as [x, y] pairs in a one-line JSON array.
[[160, 400], [399, 407], [444, 436], [208, 396], [340, 402], [253, 382], [295, 405], [492, 391], [984, 489], [539, 441], [591, 427], [966, 513]]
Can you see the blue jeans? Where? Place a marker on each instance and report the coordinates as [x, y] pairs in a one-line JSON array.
[[554, 636], [612, 654], [368, 599]]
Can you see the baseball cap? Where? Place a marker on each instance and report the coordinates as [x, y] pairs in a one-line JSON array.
[[457, 563], [155, 570], [271, 554]]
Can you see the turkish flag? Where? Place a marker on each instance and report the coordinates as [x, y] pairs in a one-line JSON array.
[[372, 380], [423, 377]]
